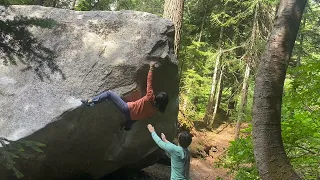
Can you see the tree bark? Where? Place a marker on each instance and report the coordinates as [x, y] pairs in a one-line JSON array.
[[269, 152], [218, 98], [173, 9]]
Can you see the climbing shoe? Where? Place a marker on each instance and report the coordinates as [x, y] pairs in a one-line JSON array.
[[86, 102]]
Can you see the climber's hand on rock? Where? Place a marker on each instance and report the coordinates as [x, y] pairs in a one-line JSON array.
[[152, 64], [150, 128]]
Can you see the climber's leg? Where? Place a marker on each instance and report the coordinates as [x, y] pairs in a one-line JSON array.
[[97, 99], [114, 98], [119, 103], [129, 122]]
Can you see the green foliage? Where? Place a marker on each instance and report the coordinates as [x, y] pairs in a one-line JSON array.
[[196, 86], [202, 23], [239, 158], [88, 5], [300, 110], [84, 5], [26, 2], [151, 6], [301, 103], [12, 150]]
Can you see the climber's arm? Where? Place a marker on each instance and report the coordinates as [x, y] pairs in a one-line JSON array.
[[167, 146], [149, 82]]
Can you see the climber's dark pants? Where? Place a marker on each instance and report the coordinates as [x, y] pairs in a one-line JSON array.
[[118, 102]]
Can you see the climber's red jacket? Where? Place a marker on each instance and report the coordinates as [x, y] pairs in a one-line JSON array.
[[143, 108]]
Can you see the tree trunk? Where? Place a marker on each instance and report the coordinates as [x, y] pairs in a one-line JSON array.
[[245, 85], [205, 7], [218, 98], [208, 116], [269, 152], [232, 101], [301, 38], [209, 111], [181, 66], [185, 101], [243, 99], [173, 9]]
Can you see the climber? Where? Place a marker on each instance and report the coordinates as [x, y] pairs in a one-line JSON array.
[[142, 108], [180, 155]]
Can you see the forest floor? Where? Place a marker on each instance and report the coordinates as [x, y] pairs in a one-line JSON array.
[[201, 168]]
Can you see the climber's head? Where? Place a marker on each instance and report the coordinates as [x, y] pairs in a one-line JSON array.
[[161, 101], [184, 139]]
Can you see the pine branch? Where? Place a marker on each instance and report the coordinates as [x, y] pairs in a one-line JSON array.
[[18, 44], [12, 150]]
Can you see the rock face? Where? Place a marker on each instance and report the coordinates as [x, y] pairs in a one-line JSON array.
[[93, 51]]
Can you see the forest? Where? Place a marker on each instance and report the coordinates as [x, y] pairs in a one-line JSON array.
[[252, 65]]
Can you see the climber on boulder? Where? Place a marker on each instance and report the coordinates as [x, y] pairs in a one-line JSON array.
[[142, 108]]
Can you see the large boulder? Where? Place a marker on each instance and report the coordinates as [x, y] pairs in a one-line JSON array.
[[93, 51]]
